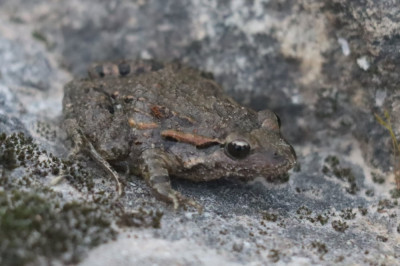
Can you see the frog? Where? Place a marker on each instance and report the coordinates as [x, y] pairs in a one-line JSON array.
[[162, 120]]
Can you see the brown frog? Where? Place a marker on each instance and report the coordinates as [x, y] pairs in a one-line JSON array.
[[163, 120]]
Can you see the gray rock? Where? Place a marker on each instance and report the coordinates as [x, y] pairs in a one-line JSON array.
[[24, 65], [324, 66], [10, 108], [11, 124]]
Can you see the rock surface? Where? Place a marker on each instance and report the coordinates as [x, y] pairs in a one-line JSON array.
[[324, 66]]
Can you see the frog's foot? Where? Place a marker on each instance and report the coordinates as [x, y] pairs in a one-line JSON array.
[[164, 191], [180, 200], [154, 169]]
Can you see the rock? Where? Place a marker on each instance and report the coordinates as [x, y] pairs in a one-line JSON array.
[[24, 66], [325, 67], [10, 108]]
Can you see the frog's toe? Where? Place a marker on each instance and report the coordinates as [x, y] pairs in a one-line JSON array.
[[181, 201], [195, 205], [166, 193], [174, 197]]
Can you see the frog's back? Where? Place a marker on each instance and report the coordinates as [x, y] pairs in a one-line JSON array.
[[135, 108]]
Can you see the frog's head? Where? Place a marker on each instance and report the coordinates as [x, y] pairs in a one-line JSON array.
[[243, 153], [259, 152], [262, 151]]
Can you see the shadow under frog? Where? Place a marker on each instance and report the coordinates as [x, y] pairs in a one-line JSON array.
[[163, 120]]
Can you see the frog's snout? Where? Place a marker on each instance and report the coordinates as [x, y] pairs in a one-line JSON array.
[[284, 158]]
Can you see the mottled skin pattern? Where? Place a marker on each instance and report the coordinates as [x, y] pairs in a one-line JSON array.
[[171, 120]]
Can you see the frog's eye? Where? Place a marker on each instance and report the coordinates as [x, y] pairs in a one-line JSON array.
[[237, 149]]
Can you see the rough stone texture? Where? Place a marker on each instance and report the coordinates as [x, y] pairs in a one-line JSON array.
[[324, 66]]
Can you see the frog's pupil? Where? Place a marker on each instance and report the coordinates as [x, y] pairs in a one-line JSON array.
[[238, 149]]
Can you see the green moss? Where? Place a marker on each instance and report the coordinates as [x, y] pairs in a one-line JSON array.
[[363, 210], [36, 224], [385, 204], [322, 218], [395, 193], [348, 214], [271, 217], [274, 255], [40, 37], [377, 178], [332, 167], [370, 192], [303, 211], [333, 161], [18, 150], [320, 248], [2, 137], [339, 226], [45, 130], [325, 170]]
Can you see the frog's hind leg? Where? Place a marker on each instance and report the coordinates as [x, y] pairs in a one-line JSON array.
[[156, 175]]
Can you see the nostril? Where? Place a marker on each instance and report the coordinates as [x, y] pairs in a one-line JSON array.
[[282, 157], [277, 156]]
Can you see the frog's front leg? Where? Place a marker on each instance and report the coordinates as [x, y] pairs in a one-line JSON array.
[[81, 142], [155, 171], [72, 129]]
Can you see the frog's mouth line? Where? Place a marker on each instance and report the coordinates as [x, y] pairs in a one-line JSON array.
[[283, 168], [268, 174]]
